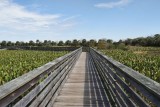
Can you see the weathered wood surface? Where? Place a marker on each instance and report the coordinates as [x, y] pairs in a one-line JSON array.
[[37, 87], [125, 86], [83, 87]]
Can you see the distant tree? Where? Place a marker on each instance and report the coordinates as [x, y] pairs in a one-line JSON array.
[[84, 42], [157, 39], [75, 43], [60, 43], [102, 43], [3, 43], [37, 42], [109, 41], [53, 43], [144, 41], [120, 41], [68, 43], [23, 43], [128, 41], [18, 43], [49, 43], [149, 41], [92, 43], [109, 44], [45, 42], [9, 43], [31, 43], [40, 44], [26, 44]]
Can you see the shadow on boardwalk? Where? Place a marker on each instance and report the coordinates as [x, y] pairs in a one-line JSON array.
[[83, 88], [94, 93]]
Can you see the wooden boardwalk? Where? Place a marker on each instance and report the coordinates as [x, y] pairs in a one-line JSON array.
[[80, 79], [83, 87]]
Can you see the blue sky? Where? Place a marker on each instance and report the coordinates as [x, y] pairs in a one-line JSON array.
[[56, 20]]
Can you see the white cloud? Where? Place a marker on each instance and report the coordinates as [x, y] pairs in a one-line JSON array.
[[119, 3], [16, 18]]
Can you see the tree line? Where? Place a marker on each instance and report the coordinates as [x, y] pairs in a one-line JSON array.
[[74, 43], [144, 41], [100, 44]]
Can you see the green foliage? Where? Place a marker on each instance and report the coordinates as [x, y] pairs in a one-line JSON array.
[[102, 44], [92, 43], [75, 43], [60, 43], [68, 43], [143, 60], [84, 42], [14, 63], [144, 41]]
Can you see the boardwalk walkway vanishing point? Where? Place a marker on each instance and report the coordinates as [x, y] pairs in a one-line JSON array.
[[83, 87]]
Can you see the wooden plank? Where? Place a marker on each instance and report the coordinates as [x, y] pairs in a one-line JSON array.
[[82, 99], [47, 90], [113, 83], [50, 104], [79, 105], [82, 87], [29, 97], [147, 87], [13, 89], [132, 94], [58, 84], [118, 87], [110, 89]]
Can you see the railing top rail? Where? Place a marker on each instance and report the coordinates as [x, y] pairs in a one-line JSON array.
[[15, 84], [147, 83]]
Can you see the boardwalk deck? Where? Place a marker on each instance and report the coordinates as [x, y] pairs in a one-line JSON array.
[[83, 87]]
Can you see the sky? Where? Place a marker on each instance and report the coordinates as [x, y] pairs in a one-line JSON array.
[[24, 20]]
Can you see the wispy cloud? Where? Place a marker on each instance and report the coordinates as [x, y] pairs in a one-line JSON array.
[[17, 18], [119, 3]]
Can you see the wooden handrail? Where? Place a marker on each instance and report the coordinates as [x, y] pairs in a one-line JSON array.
[[41, 81], [125, 85]]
